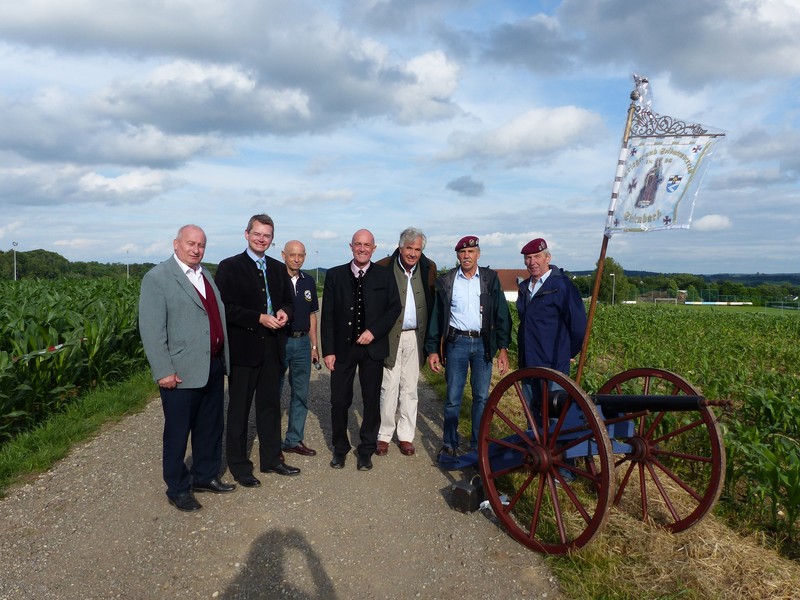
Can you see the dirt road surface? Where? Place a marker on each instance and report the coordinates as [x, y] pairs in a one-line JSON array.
[[98, 526]]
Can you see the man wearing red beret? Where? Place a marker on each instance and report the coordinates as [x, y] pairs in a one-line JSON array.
[[470, 324], [552, 322], [552, 318]]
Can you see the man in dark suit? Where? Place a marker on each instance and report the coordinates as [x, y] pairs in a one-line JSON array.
[[360, 303], [182, 324], [258, 301]]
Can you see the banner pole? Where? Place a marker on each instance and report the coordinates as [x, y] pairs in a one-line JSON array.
[[623, 157]]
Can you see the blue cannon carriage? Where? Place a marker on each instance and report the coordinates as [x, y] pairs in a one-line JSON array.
[[647, 442]]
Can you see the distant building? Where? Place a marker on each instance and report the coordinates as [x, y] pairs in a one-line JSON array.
[[509, 281]]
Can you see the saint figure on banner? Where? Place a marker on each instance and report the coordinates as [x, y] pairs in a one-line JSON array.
[[654, 178]]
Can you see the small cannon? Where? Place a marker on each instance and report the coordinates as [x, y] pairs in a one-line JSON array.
[[647, 442]]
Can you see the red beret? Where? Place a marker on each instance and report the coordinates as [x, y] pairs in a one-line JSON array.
[[534, 246], [468, 241]]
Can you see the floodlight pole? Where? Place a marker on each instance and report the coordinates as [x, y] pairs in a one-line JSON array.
[[317, 253], [128, 265], [613, 286], [14, 249]]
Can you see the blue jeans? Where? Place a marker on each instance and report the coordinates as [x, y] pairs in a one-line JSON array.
[[462, 354], [532, 391], [298, 361]]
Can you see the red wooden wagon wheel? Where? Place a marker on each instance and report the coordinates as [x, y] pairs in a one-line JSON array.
[[547, 467], [674, 469]]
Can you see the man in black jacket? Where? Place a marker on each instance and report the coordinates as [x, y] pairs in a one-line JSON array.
[[359, 306], [470, 324], [259, 301]]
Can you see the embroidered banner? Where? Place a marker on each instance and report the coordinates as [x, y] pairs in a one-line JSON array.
[[659, 170]]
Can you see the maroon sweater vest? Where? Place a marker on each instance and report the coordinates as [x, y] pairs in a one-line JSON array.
[[214, 319]]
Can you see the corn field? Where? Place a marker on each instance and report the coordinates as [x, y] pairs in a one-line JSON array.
[[752, 359], [59, 339]]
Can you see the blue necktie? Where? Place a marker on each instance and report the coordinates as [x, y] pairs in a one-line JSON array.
[[262, 265]]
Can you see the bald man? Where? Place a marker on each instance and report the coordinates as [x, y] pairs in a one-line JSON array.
[[301, 346], [182, 324], [360, 303]]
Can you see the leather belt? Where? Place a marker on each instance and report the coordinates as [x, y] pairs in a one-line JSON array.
[[410, 329], [298, 334], [472, 334]]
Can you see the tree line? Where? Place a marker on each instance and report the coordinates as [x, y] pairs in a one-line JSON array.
[[43, 264], [615, 284], [618, 287]]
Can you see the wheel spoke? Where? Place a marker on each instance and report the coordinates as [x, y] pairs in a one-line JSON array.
[[685, 486], [521, 456], [513, 501], [680, 430], [522, 434], [678, 456], [664, 495]]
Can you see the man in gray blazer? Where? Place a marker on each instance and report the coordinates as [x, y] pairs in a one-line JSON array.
[[182, 325]]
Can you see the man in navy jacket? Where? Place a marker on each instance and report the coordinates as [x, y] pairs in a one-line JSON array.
[[552, 318]]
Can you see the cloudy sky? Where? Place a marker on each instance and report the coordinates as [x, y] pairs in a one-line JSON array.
[[124, 119]]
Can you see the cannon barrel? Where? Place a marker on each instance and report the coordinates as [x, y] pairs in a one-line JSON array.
[[637, 402], [631, 403]]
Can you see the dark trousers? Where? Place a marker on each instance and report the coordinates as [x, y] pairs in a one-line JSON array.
[[370, 374], [199, 412], [244, 382]]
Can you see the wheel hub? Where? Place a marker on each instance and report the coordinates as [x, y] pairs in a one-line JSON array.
[[640, 449], [538, 459]]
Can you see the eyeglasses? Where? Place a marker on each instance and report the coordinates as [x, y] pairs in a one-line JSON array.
[[261, 236]]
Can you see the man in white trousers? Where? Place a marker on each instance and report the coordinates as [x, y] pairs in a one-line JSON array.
[[415, 275]]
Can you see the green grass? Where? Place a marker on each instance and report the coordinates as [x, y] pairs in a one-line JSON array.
[[37, 450], [764, 310], [750, 356]]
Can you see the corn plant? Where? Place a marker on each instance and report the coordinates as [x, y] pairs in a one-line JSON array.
[[59, 339], [752, 359]]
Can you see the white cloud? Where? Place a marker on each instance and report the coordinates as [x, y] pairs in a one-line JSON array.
[[455, 116], [435, 80], [191, 97], [137, 184], [77, 243], [325, 234], [8, 229], [712, 223], [535, 134]]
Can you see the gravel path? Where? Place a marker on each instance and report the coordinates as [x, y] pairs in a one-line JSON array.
[[98, 526]]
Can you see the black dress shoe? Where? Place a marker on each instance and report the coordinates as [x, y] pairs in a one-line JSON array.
[[215, 486], [364, 463], [301, 449], [338, 460], [281, 469], [248, 481], [185, 502]]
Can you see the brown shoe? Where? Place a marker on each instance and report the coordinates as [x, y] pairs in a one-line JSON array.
[[406, 448], [382, 449], [301, 449]]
